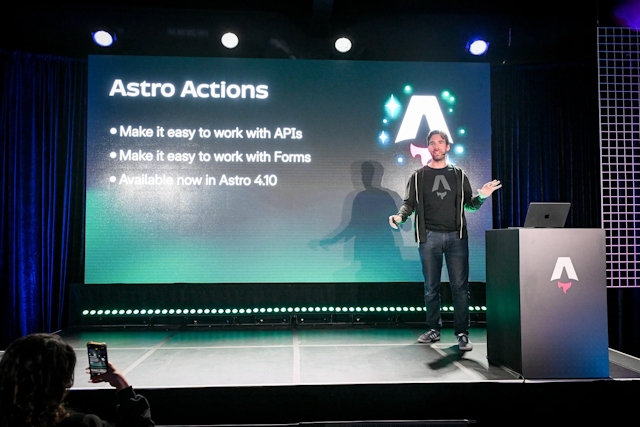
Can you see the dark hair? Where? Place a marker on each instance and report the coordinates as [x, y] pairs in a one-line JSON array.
[[441, 133], [35, 373]]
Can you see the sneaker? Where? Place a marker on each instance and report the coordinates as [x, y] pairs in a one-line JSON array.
[[429, 336], [463, 343]]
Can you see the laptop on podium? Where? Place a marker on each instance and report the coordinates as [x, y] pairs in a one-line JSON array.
[[547, 215]]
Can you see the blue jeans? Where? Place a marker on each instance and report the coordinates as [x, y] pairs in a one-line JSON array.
[[456, 254]]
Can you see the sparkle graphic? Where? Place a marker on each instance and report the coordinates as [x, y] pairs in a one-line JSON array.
[[392, 106], [383, 137]]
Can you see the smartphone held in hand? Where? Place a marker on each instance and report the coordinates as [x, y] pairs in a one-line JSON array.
[[98, 361]]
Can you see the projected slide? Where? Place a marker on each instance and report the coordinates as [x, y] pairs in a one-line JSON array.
[[212, 170]]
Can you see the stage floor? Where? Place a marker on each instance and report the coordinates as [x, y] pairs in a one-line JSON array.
[[286, 375], [270, 356]]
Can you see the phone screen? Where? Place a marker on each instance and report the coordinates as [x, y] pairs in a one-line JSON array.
[[97, 358]]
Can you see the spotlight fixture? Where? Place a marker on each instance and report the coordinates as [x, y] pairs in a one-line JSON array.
[[343, 45], [229, 40], [477, 47], [103, 38]]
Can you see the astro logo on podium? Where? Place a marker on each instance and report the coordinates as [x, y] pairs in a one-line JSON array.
[[564, 263]]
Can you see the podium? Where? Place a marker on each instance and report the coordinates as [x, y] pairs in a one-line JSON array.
[[547, 302]]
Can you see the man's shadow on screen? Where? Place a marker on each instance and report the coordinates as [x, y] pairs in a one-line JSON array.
[[365, 223]]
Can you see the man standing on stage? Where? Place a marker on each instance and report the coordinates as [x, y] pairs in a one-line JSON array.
[[438, 194]]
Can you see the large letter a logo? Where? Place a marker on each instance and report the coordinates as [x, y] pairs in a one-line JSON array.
[[419, 107], [564, 263]]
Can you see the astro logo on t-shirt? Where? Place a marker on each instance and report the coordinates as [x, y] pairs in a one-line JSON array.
[[564, 264], [440, 183]]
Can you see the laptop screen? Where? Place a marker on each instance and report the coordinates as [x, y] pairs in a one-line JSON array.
[[547, 215]]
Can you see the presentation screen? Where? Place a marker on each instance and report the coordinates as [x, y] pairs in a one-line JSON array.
[[219, 170]]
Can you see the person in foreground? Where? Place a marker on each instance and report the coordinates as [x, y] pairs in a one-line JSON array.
[[36, 373], [439, 194]]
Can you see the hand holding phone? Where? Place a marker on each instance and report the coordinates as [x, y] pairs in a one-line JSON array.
[[98, 360]]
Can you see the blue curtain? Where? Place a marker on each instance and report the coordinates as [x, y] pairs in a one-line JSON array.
[[42, 122], [545, 142]]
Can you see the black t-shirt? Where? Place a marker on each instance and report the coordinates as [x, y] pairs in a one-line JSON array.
[[439, 198]]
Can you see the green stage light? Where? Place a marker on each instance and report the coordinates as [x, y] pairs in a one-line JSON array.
[[207, 311]]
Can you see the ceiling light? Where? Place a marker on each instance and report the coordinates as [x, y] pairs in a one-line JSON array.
[[229, 40], [343, 45], [103, 38], [478, 47]]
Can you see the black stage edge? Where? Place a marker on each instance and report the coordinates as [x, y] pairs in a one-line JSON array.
[[607, 402]]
